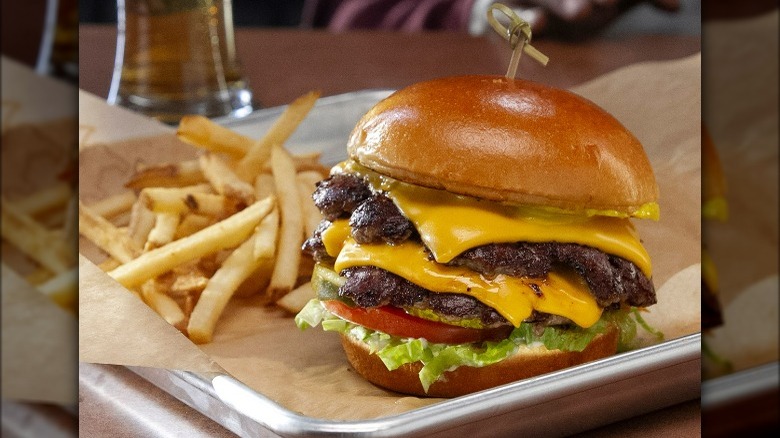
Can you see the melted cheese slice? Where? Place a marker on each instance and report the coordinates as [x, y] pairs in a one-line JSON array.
[[335, 235], [450, 224], [561, 293]]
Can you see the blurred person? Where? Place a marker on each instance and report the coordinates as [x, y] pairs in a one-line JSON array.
[[565, 19]]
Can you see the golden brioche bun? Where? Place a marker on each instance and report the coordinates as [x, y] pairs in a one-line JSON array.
[[505, 140], [527, 362]]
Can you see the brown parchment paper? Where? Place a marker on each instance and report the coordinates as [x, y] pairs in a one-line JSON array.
[[138, 335], [28, 97], [307, 371], [741, 112], [38, 345]]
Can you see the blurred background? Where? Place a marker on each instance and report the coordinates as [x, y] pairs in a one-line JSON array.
[[42, 34], [562, 19]]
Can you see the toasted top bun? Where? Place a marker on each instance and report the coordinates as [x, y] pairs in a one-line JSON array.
[[505, 140], [527, 362]]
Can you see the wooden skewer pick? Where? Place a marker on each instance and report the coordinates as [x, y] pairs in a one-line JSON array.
[[518, 33]]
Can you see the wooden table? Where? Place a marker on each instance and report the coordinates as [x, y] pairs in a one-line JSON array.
[[283, 64]]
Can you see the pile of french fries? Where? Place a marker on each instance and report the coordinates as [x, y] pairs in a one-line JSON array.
[[190, 235], [39, 239]]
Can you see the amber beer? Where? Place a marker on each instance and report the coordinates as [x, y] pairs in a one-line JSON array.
[[177, 57]]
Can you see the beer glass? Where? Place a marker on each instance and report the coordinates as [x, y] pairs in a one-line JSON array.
[[178, 57]]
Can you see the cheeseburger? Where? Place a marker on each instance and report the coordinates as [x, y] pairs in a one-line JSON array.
[[479, 233]]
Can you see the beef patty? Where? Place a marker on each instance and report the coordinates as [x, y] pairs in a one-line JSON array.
[[373, 217]]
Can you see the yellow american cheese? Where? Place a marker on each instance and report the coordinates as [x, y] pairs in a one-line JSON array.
[[560, 293], [334, 237], [450, 224]]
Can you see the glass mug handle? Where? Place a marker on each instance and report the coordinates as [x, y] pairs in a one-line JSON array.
[[178, 57]]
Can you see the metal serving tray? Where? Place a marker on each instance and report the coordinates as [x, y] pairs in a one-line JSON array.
[[740, 386], [560, 403], [555, 404]]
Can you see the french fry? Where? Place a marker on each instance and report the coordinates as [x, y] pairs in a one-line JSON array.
[[224, 180], [63, 289], [191, 224], [241, 263], [225, 234], [201, 132], [45, 200], [307, 183], [114, 205], [33, 239], [109, 264], [252, 163], [291, 231], [310, 178], [191, 273], [264, 185], [141, 223], [265, 243], [176, 201], [188, 283], [204, 187], [164, 305], [185, 173], [305, 162], [294, 301], [164, 229], [106, 236]]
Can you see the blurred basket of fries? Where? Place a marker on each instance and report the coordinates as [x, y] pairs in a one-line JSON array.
[[188, 236], [38, 206]]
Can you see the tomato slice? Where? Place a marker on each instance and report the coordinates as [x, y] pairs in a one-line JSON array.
[[397, 322]]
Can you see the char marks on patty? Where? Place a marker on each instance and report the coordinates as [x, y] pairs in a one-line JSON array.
[[378, 219], [375, 218], [611, 279], [338, 196], [369, 286]]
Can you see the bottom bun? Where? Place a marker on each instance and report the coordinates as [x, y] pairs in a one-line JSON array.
[[527, 362]]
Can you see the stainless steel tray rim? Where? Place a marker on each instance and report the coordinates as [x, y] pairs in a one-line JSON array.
[[268, 113], [542, 388], [743, 384]]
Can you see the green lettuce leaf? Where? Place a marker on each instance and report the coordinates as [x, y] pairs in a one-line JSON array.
[[440, 358]]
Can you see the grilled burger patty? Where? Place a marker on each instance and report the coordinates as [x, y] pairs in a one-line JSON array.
[[375, 218]]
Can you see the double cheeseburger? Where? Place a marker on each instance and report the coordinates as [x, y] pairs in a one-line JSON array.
[[479, 233]]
